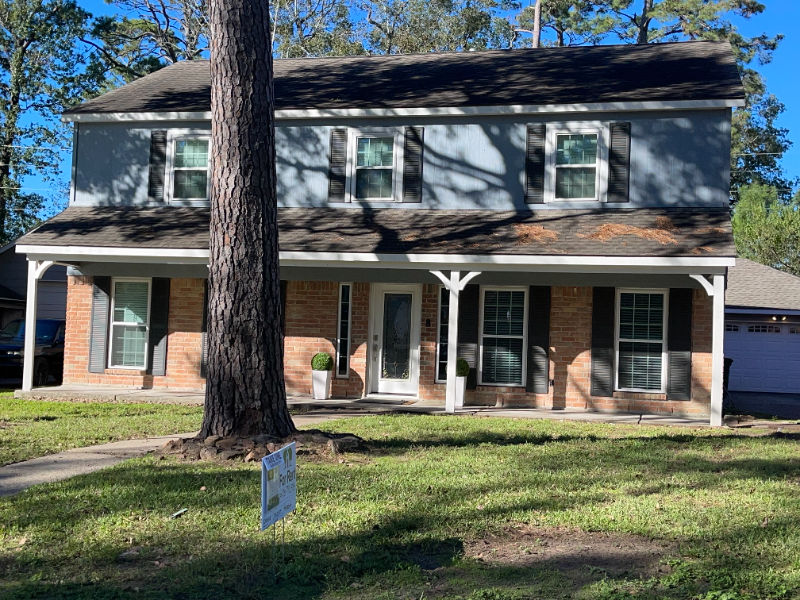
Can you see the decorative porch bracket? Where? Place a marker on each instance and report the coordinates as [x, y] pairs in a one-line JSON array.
[[454, 284], [36, 268], [716, 290]]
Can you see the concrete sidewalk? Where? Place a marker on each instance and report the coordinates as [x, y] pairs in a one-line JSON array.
[[20, 476]]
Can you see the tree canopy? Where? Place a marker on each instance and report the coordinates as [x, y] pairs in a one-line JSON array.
[[767, 228], [43, 71]]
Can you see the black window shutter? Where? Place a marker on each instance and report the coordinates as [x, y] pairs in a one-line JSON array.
[[412, 164], [158, 165], [679, 344], [538, 376], [337, 170], [619, 163], [603, 323], [98, 336], [204, 335], [469, 306], [534, 164], [159, 315]]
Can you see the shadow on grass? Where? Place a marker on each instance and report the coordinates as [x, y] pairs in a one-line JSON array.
[[397, 544]]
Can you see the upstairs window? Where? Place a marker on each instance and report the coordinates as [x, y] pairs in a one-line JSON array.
[[374, 168], [576, 159], [576, 166], [188, 167]]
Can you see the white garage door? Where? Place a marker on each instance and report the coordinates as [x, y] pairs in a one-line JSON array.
[[766, 358]]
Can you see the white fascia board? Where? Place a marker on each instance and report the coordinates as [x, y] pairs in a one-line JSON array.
[[761, 311], [498, 262], [103, 254], [344, 113], [509, 262]]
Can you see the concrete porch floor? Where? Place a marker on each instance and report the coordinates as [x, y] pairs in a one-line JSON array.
[[344, 408]]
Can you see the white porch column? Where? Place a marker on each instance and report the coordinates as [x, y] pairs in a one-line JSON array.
[[452, 342], [35, 271], [454, 285], [717, 350]]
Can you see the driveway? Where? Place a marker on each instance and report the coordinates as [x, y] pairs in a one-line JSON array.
[[784, 406]]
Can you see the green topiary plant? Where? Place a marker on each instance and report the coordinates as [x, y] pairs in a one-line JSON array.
[[462, 367], [322, 361]]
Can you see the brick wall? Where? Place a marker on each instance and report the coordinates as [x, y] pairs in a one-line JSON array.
[[312, 312], [311, 327], [184, 328], [570, 364]]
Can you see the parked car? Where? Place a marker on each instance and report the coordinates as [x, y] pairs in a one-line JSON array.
[[49, 350]]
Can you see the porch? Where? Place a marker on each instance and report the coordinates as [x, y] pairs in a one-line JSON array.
[[561, 317], [348, 407]]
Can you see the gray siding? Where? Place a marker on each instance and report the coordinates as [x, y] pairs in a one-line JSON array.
[[677, 159]]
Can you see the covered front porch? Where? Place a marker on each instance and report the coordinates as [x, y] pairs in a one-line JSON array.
[[562, 316]]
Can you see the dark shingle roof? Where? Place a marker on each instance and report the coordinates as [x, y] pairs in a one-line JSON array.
[[751, 285], [676, 71], [630, 232]]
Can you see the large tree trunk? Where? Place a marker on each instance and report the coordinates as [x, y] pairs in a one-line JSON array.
[[245, 392], [537, 24], [643, 26]]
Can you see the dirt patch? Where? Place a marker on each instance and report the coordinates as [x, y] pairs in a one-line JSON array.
[[661, 233], [579, 555], [534, 233], [701, 249]]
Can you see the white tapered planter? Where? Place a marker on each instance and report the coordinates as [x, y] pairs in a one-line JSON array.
[[461, 390], [321, 384]]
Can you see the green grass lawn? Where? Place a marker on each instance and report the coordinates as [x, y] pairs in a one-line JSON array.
[[31, 428], [440, 507]]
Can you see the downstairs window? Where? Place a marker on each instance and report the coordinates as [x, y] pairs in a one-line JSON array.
[[641, 341]]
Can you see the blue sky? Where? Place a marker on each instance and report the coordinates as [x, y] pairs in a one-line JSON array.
[[782, 74]]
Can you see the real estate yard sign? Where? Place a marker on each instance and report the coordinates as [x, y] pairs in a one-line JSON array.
[[278, 485]]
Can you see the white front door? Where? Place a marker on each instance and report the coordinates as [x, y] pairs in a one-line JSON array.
[[396, 314]]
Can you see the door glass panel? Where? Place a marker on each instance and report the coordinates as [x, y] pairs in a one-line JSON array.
[[396, 336]]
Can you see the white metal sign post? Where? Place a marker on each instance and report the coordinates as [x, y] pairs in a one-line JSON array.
[[278, 492]]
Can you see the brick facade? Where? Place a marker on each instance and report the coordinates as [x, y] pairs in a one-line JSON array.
[[311, 326], [184, 327]]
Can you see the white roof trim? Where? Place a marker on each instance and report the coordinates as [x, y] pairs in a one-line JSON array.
[[761, 311], [343, 113], [496, 262]]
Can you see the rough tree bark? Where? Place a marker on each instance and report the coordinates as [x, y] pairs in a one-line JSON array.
[[245, 391]]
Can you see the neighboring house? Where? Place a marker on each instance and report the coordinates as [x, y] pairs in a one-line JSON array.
[[762, 329], [558, 217], [52, 295]]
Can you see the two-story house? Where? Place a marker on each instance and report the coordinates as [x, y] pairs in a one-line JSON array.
[[557, 217]]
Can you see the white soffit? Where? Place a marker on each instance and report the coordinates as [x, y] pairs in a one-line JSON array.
[[497, 262], [344, 113]]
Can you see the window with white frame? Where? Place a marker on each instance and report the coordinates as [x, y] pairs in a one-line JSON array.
[[189, 165], [577, 162], [375, 160], [576, 166], [641, 340], [343, 340], [732, 327], [444, 324], [130, 323], [503, 332]]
